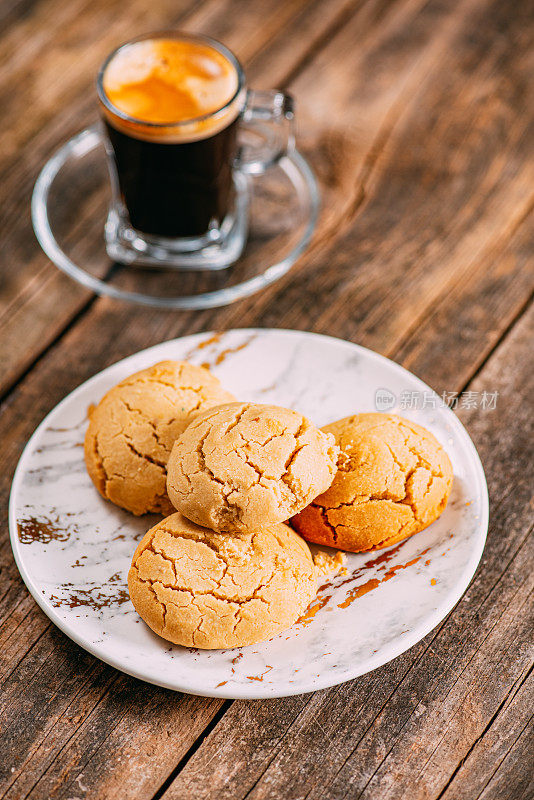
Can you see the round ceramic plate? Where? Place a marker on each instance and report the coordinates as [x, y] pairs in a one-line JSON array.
[[73, 549]]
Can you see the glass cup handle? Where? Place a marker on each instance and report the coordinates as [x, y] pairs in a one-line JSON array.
[[266, 132]]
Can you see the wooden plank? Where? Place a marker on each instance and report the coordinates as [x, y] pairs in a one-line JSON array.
[[472, 314], [498, 763], [429, 204], [354, 266], [352, 741], [428, 266], [126, 734]]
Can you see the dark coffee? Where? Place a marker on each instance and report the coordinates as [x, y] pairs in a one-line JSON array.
[[175, 190], [171, 110]]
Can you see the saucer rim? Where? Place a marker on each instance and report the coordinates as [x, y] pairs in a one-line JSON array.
[[91, 137]]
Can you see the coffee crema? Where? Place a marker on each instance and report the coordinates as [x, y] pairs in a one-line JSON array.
[[172, 90]]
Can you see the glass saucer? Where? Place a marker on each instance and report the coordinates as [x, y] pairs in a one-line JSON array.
[[69, 211]]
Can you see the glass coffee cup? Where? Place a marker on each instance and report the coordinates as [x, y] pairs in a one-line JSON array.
[[183, 132]]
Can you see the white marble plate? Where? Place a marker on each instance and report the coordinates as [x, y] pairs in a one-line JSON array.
[[73, 549]]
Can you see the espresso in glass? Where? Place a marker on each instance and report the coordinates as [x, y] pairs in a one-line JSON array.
[[171, 108]]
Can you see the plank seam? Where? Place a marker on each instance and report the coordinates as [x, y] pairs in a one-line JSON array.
[[337, 24], [73, 734], [52, 343], [28, 651], [386, 701], [470, 660], [442, 298], [501, 762], [322, 42], [451, 718], [511, 694], [23, 596], [219, 714], [522, 311]]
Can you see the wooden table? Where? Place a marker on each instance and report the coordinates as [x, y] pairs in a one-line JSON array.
[[417, 117]]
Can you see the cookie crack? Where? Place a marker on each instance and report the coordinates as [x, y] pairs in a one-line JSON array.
[[407, 500], [324, 515], [101, 469], [143, 456], [106, 475], [148, 421], [194, 539], [198, 593], [158, 602], [231, 509], [237, 420], [161, 553], [286, 477]]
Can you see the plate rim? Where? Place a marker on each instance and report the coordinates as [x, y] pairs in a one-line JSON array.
[[244, 692]]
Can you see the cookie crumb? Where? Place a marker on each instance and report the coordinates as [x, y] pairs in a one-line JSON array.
[[327, 564]]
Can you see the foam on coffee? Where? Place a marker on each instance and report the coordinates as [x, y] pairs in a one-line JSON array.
[[164, 82]]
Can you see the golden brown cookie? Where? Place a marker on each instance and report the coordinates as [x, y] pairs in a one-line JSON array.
[[202, 589], [243, 466], [394, 479], [132, 429]]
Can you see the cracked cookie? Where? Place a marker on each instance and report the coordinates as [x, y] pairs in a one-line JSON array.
[[243, 466], [132, 429], [199, 588], [394, 479]]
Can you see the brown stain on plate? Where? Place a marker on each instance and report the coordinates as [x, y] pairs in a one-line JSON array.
[[359, 591], [316, 605], [93, 598], [54, 429], [42, 530], [381, 561], [261, 676], [363, 588], [220, 357], [230, 350], [392, 571], [217, 358], [215, 339]]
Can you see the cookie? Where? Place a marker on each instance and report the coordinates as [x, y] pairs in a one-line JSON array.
[[132, 429], [394, 479], [202, 589], [244, 466]]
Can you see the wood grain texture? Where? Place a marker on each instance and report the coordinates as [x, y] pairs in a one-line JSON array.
[[416, 117]]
